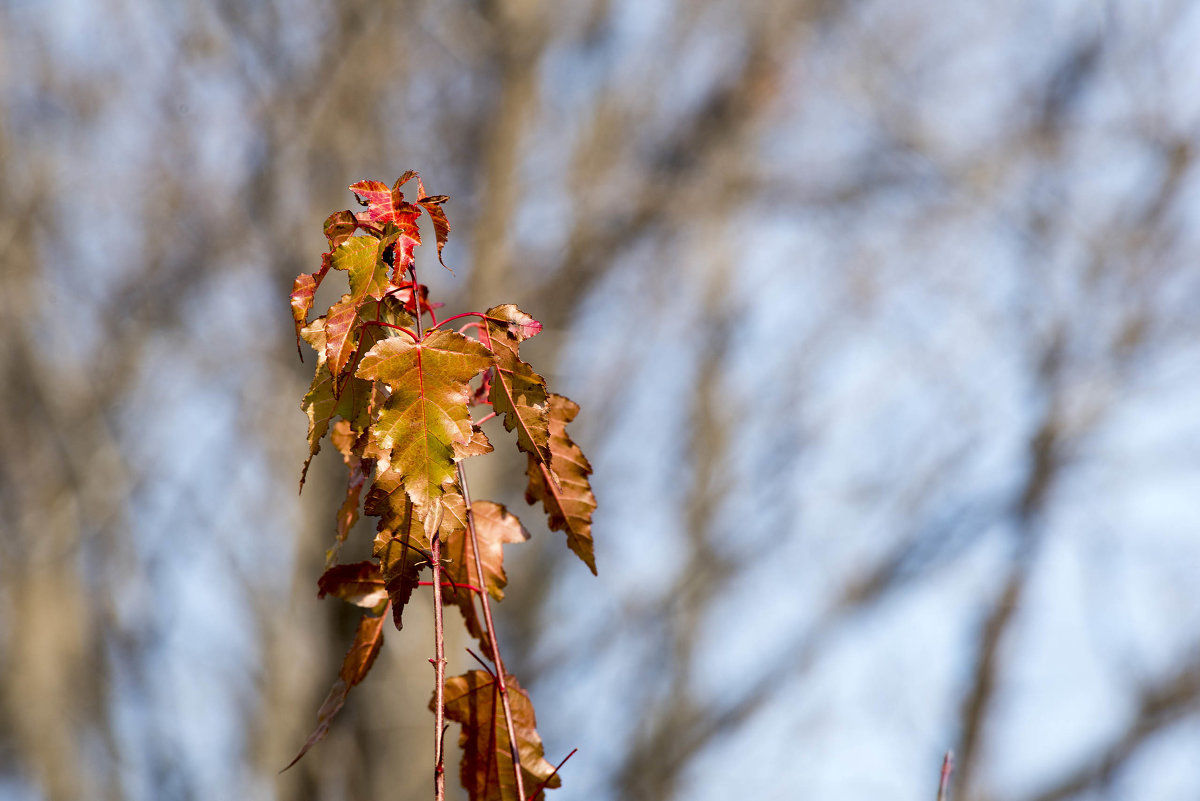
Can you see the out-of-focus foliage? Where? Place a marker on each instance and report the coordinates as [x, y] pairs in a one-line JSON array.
[[883, 314]]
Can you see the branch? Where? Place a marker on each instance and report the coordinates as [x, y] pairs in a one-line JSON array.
[[491, 632]]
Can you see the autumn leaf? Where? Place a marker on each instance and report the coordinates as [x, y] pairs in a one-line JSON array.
[[320, 404], [477, 445], [401, 545], [339, 227], [347, 516], [367, 274], [494, 527], [304, 290], [441, 226], [359, 583], [367, 642], [517, 391], [487, 766], [426, 415], [569, 501], [387, 206]]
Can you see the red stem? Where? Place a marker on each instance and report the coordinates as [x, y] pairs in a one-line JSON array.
[[491, 632], [542, 786], [947, 769], [460, 316], [415, 337], [449, 583], [484, 419]]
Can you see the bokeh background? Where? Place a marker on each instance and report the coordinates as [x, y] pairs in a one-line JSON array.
[[883, 318]]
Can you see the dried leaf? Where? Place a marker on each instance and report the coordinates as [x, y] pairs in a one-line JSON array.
[[517, 391], [487, 766], [494, 527], [568, 501], [367, 642], [426, 414], [359, 583]]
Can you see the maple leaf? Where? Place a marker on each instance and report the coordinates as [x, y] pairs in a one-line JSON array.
[[367, 642], [368, 275], [568, 501], [487, 766], [347, 516], [304, 290], [494, 526], [426, 415], [441, 226], [401, 545], [387, 206], [320, 403], [517, 391], [339, 227], [359, 583]]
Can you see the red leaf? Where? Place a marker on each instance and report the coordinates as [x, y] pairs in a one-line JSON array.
[[367, 642]]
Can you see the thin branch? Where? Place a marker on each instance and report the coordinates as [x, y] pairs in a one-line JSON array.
[[439, 636], [944, 782], [553, 773], [491, 631]]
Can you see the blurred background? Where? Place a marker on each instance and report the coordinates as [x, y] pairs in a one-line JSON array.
[[883, 320]]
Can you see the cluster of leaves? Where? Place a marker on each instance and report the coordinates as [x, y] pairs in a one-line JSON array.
[[395, 396]]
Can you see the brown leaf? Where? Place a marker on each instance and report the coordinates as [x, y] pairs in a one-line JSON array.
[[401, 545], [347, 516], [487, 766], [517, 391], [339, 227], [367, 642], [494, 526], [568, 501], [359, 583]]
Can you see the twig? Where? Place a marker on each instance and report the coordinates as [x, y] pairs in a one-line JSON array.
[[491, 630], [554, 773], [439, 639], [944, 783]]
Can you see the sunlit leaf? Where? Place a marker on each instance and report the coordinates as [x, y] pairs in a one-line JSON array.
[[517, 391], [368, 275], [487, 765], [341, 327], [426, 415], [367, 642], [569, 501]]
